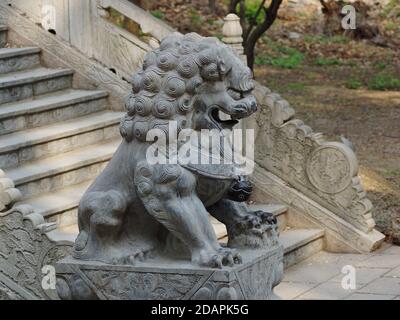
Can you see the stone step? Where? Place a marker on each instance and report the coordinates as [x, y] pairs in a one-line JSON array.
[[21, 85], [3, 36], [16, 59], [19, 147], [60, 206], [300, 244], [55, 173], [51, 108], [277, 209]]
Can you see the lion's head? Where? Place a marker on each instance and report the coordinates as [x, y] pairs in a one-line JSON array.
[[189, 79]]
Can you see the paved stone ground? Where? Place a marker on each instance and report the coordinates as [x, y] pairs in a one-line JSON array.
[[320, 277]]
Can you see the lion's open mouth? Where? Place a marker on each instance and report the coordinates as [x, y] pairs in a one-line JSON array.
[[218, 115]]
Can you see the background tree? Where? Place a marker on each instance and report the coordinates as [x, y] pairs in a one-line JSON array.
[[256, 18]]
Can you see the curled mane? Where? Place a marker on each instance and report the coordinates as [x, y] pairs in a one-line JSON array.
[[166, 87]]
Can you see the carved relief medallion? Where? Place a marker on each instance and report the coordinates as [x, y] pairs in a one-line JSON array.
[[331, 167]]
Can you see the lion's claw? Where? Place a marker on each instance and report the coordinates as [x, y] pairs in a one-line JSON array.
[[266, 216], [216, 262], [222, 257]]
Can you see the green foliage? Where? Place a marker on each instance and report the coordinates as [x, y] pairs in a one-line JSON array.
[[210, 21], [251, 10], [392, 26], [158, 14], [295, 86], [291, 59], [353, 84], [352, 63], [390, 7], [384, 82], [283, 57], [117, 17], [381, 65], [322, 61], [195, 18]]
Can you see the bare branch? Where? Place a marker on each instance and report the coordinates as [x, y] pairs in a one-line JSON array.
[[233, 6], [253, 20]]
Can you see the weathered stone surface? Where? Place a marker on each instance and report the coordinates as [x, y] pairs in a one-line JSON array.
[[21, 147], [27, 244], [300, 244], [57, 172], [25, 84], [159, 279], [340, 235], [3, 36], [15, 59], [42, 111]]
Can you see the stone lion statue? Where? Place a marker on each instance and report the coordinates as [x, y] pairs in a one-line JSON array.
[[135, 210]]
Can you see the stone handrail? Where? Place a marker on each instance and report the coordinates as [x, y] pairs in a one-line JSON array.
[[29, 247], [87, 27], [147, 22], [27, 244]]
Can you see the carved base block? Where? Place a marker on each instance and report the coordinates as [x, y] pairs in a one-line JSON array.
[[159, 279]]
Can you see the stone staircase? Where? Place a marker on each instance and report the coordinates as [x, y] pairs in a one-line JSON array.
[[54, 139], [299, 242]]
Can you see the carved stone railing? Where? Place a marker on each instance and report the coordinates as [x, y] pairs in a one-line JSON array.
[[27, 244], [87, 27], [316, 177], [298, 167]]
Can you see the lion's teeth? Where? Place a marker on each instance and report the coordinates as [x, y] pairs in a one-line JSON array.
[[223, 116]]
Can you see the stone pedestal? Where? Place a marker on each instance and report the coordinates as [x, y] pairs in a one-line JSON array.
[[159, 279]]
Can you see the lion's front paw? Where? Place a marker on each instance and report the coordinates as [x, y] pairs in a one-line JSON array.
[[217, 258], [256, 222], [266, 217], [257, 229]]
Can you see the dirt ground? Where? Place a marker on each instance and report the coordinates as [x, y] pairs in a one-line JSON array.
[[338, 86]]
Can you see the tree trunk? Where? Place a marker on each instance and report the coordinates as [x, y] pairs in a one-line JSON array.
[[271, 13], [211, 5]]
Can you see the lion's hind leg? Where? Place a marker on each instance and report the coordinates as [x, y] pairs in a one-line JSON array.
[[100, 221]]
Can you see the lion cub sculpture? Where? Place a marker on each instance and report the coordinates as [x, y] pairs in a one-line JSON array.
[[136, 209]]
